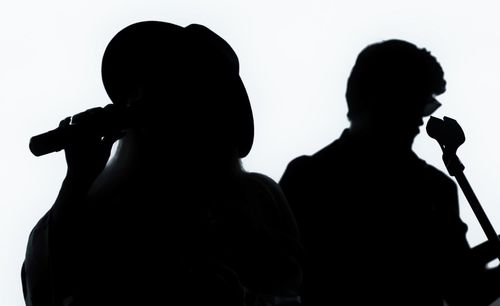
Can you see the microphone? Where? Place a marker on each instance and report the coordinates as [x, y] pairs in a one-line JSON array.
[[99, 121], [447, 132]]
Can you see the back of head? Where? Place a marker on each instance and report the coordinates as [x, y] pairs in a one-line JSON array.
[[394, 77], [185, 77]]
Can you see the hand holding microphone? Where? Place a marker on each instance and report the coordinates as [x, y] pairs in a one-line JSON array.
[[94, 122], [87, 139]]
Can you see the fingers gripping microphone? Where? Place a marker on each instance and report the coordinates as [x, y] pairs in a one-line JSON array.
[[51, 141], [93, 122]]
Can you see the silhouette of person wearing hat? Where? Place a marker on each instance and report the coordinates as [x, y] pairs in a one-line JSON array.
[[378, 224], [171, 218]]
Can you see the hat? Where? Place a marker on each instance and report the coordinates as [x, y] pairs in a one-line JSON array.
[[148, 50]]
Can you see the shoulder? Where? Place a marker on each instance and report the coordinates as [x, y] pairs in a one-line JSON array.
[[258, 178], [442, 190], [40, 229], [302, 162], [305, 165], [436, 182], [268, 195], [297, 168], [261, 184], [304, 170], [436, 177]]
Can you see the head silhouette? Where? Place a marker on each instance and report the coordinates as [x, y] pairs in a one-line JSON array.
[[393, 83], [183, 83]]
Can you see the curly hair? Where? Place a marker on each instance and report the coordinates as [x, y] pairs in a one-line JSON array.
[[386, 72]]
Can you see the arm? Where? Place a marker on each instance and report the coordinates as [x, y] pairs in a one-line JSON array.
[[484, 253], [51, 242], [469, 282]]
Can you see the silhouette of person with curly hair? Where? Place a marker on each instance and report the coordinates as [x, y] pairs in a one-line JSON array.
[[379, 225]]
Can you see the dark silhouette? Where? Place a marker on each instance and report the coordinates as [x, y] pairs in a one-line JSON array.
[[450, 136], [379, 225], [172, 218]]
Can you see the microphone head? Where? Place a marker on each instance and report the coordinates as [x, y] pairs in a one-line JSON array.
[[447, 132], [434, 127]]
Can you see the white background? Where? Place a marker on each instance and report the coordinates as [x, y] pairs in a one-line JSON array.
[[295, 57]]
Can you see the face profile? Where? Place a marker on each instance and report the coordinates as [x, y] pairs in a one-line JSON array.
[[392, 86]]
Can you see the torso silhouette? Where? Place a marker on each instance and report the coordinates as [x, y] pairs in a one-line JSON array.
[[379, 227], [173, 219], [177, 232]]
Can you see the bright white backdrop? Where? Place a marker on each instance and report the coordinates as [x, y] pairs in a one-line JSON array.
[[295, 57]]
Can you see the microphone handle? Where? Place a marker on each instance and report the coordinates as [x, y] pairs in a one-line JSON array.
[[53, 141], [107, 120]]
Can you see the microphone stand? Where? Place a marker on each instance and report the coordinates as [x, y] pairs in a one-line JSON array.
[[450, 136]]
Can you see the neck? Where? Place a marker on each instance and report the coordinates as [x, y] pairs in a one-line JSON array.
[[381, 136], [137, 157], [136, 149]]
